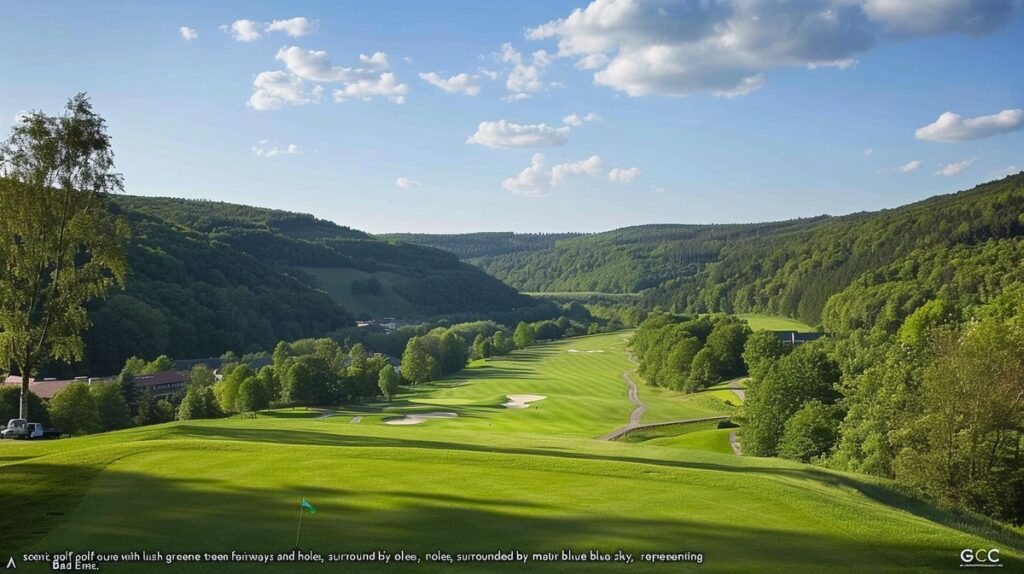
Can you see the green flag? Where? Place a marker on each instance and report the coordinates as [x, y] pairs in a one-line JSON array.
[[308, 506]]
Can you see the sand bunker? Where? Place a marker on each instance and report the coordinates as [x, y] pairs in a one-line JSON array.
[[579, 351], [521, 401], [417, 418]]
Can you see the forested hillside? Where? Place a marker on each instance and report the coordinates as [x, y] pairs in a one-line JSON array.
[[483, 244], [208, 277], [844, 273], [872, 269], [627, 260]]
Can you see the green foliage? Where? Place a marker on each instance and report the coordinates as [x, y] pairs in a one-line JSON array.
[[150, 410], [199, 402], [486, 244], [252, 396], [201, 376], [966, 444], [418, 365], [806, 374], [226, 390], [811, 432], [689, 354], [309, 380], [10, 401], [73, 410], [388, 381], [523, 335], [111, 406], [705, 370], [625, 260], [917, 328], [760, 350], [59, 246]]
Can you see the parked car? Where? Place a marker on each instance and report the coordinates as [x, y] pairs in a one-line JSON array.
[[22, 429]]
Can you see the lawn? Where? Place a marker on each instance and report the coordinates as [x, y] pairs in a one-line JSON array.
[[760, 322], [532, 479]]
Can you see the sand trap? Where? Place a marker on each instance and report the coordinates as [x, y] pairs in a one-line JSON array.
[[521, 401], [356, 420], [418, 418]]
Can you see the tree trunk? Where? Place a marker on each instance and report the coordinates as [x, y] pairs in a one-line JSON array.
[[23, 408]]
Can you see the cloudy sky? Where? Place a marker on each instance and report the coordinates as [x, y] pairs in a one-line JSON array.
[[458, 116]]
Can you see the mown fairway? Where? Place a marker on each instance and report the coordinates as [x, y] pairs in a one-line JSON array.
[[491, 479], [775, 323]]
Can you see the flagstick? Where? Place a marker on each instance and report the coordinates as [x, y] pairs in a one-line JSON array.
[[299, 530]]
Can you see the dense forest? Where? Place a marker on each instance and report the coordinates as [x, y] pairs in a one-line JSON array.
[[922, 378], [208, 277], [626, 260], [869, 269], [842, 273], [484, 244]]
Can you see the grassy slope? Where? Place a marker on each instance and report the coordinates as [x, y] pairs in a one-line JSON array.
[[531, 479], [337, 283], [759, 321]]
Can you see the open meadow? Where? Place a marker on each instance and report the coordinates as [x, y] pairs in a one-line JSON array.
[[487, 479]]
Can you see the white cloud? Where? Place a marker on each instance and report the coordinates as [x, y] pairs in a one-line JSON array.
[[188, 34], [537, 180], [504, 134], [1001, 173], [459, 84], [658, 190], [377, 60], [357, 83], [250, 30], [868, 152], [724, 47], [317, 66], [577, 121], [952, 169], [489, 74], [407, 183], [294, 27], [590, 166], [623, 175], [266, 149], [525, 76], [910, 166], [385, 86], [246, 30], [274, 90], [952, 127]]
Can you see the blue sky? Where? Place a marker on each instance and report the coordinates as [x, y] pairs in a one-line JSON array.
[[688, 112]]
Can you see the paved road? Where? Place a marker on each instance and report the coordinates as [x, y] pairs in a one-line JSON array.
[[635, 416], [735, 443], [735, 386]]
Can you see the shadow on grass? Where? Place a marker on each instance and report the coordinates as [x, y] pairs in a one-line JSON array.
[[888, 495], [126, 511]]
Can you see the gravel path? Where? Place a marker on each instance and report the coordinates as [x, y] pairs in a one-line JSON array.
[[735, 386], [635, 416], [735, 443]]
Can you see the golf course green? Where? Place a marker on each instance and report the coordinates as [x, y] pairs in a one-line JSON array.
[[480, 479]]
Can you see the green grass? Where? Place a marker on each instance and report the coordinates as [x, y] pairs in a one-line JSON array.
[[337, 283], [710, 440], [531, 479], [759, 322]]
